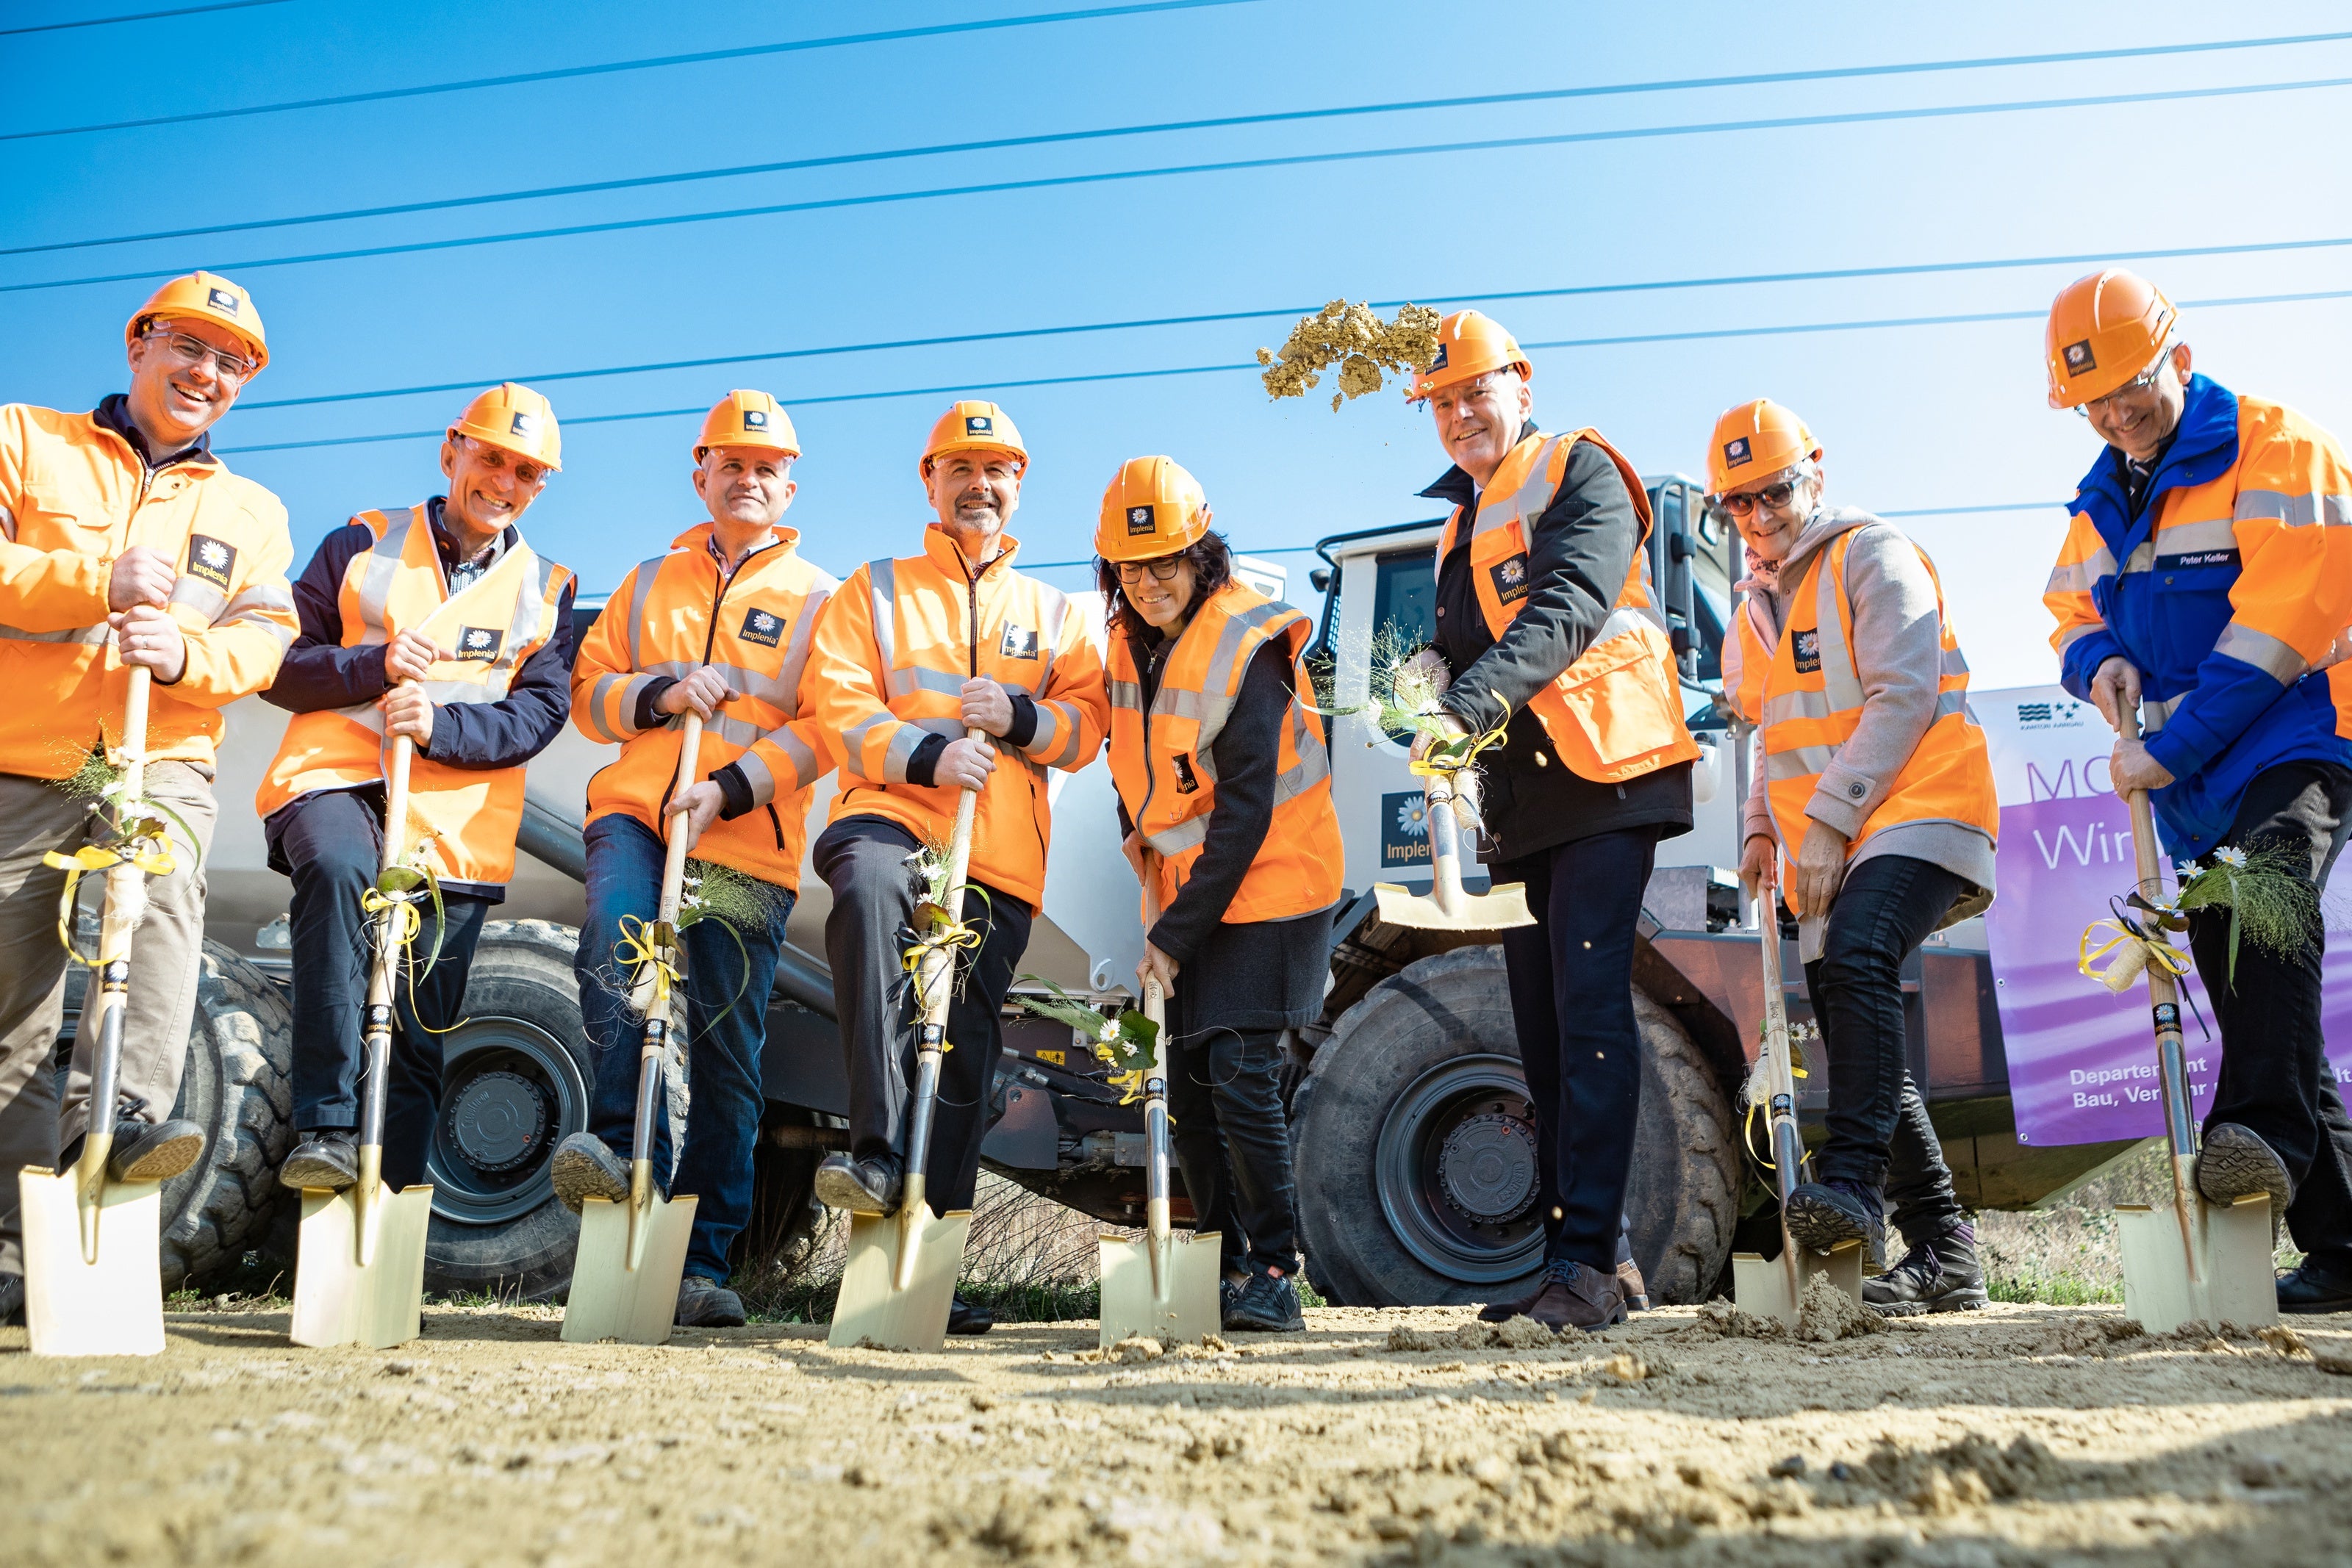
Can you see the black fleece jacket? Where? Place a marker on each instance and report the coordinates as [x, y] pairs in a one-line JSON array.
[[1578, 554]]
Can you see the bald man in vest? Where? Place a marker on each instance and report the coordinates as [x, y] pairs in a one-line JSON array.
[[1542, 592], [434, 621]]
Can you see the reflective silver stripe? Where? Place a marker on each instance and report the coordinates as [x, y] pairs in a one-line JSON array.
[[1534, 494], [1168, 704], [852, 742], [530, 610], [2263, 652], [281, 634], [1127, 694], [1799, 762], [2295, 511], [9, 524], [382, 568], [1839, 678], [805, 766], [796, 646], [600, 693], [2076, 634], [901, 752], [641, 599], [201, 597], [1054, 609], [882, 583], [1955, 661], [1623, 619], [670, 669], [1055, 718], [1184, 835], [756, 774], [2142, 559], [755, 683], [920, 679], [1796, 705], [97, 633], [1951, 702], [2154, 715], [2212, 534], [2075, 579]]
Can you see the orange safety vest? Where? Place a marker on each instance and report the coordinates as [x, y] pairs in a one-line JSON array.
[[1616, 713], [1167, 777], [493, 626], [73, 498], [672, 615], [1812, 700], [893, 649]]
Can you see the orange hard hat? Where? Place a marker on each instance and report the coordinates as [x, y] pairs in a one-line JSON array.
[[1152, 508], [208, 297], [2105, 330], [748, 419], [512, 416], [972, 426], [1468, 345], [1754, 441]]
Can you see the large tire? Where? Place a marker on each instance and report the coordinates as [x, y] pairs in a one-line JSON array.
[[1416, 1150], [235, 1086]]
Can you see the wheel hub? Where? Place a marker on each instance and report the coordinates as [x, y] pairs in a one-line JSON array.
[[497, 1120], [1487, 1168]]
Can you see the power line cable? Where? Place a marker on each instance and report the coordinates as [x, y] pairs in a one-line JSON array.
[[139, 17], [1223, 167], [705, 56], [967, 387], [2083, 258], [1004, 143]]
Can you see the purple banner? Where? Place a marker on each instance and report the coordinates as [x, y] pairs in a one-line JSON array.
[[2081, 1060]]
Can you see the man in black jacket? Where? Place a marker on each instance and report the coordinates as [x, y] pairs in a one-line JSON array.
[[1513, 614]]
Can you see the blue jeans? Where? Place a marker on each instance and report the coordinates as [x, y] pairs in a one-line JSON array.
[[727, 988]]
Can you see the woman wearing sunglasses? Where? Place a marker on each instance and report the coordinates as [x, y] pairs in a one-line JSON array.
[[1876, 795], [1226, 793]]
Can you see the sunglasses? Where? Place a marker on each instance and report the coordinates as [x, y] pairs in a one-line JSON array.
[[1772, 498]]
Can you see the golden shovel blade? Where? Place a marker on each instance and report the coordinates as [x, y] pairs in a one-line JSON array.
[[1184, 1307], [2238, 1283], [614, 1297], [872, 1309], [73, 1306], [339, 1301], [1760, 1287], [1495, 910]]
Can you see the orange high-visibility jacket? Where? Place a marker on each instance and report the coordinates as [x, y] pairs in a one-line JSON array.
[[1811, 701], [491, 628], [672, 615], [73, 498], [1161, 763], [1616, 713], [893, 649]]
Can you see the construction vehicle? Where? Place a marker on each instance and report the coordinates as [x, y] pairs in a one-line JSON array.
[[1417, 1174]]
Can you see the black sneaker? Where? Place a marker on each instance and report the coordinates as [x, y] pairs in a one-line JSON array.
[[12, 1301], [323, 1162], [1229, 1291], [1268, 1304], [2313, 1288], [584, 1166], [2234, 1161], [861, 1186], [969, 1319], [707, 1304], [1825, 1215], [1939, 1276], [153, 1151]]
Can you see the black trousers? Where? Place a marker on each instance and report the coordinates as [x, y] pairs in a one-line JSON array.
[[330, 845], [864, 860], [1879, 1134], [1571, 980], [2275, 1079], [1232, 1141]]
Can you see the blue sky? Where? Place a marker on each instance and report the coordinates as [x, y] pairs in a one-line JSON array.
[[1914, 417]]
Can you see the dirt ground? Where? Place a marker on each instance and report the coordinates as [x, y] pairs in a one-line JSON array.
[[2017, 1434]]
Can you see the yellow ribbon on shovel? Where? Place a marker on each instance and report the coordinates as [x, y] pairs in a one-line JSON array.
[[944, 934], [157, 861], [2134, 950], [650, 942]]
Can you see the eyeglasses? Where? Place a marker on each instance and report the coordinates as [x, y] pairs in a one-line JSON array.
[[2133, 388], [1161, 571], [231, 368], [1478, 391], [1771, 496], [528, 475]]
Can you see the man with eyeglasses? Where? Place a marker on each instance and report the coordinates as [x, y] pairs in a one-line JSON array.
[[1876, 792], [1546, 628], [2206, 582], [123, 541], [438, 623]]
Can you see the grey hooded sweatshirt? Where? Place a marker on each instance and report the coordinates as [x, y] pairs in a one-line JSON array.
[[1897, 640]]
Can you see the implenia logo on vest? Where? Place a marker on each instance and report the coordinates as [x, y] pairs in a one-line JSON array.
[[1509, 577], [1187, 782], [479, 641], [1018, 642], [211, 560], [761, 626], [1809, 652], [1138, 521], [1737, 451]]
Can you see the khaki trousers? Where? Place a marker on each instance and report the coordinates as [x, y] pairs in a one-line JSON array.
[[166, 963]]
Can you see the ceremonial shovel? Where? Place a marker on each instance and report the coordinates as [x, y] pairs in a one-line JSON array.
[[1447, 907], [1160, 1288], [93, 1278], [359, 1272], [898, 1282], [632, 1256], [2201, 1261]]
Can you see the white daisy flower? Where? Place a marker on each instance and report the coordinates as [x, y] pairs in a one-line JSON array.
[[2235, 859]]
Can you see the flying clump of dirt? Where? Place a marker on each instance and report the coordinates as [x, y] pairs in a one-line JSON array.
[[1354, 339]]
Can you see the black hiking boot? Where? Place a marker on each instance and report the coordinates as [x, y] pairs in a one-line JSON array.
[[1939, 1276], [585, 1168], [2234, 1161], [967, 1318], [1825, 1215], [707, 1304], [326, 1161], [860, 1186], [1268, 1304], [2313, 1288]]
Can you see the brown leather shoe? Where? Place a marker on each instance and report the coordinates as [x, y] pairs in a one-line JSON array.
[[1579, 1298], [1631, 1287], [1517, 1307]]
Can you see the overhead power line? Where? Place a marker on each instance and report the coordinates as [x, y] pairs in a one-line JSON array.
[[968, 386], [1006, 143], [139, 17], [1223, 167], [614, 67], [1829, 275]]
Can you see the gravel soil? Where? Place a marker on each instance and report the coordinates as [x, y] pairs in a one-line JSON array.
[[2013, 1435]]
